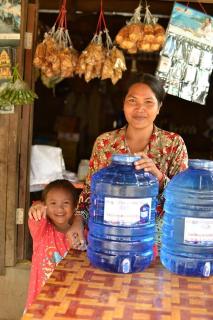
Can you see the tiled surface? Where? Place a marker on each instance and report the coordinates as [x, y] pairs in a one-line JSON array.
[[76, 290]]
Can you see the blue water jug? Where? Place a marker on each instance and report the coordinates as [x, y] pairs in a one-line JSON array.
[[187, 233], [122, 216]]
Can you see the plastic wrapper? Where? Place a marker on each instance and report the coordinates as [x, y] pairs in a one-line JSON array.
[[137, 36], [194, 56], [190, 74], [55, 59], [177, 70], [200, 94], [90, 62], [206, 61], [186, 59], [114, 65], [170, 46], [186, 91], [101, 60], [55, 55]]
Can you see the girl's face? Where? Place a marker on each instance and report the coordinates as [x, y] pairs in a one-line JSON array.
[[140, 106], [60, 208]]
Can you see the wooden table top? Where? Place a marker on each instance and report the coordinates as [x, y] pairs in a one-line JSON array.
[[77, 290]]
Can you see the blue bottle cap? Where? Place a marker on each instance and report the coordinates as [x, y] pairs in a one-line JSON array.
[[127, 158]]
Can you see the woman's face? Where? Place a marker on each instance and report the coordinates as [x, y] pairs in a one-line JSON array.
[[140, 106], [60, 208]]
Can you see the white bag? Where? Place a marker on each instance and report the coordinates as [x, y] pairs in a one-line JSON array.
[[47, 164]]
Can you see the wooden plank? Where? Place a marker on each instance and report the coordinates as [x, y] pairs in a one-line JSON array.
[[20, 228], [12, 186], [13, 160], [4, 123], [26, 135], [196, 1]]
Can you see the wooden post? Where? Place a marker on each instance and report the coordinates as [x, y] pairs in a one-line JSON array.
[[4, 133], [26, 134]]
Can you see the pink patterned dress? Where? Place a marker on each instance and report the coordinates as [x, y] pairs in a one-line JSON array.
[[49, 248]]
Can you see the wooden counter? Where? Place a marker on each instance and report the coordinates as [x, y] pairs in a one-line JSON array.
[[76, 290]]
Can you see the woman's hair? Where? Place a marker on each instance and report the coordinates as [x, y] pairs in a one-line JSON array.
[[153, 82], [61, 184]]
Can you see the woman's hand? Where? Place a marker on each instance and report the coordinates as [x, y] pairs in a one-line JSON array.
[[147, 164], [37, 211], [76, 234]]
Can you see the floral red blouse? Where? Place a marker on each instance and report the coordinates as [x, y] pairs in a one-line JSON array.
[[166, 149]]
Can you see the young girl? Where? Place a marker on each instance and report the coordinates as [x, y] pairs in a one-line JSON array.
[[49, 223]]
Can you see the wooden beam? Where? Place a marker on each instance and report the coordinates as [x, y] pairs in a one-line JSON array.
[[156, 7], [26, 133], [4, 133], [27, 124], [195, 1]]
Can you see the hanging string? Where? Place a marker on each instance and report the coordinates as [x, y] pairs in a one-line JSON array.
[[200, 4], [202, 7], [62, 16], [187, 6], [101, 19]]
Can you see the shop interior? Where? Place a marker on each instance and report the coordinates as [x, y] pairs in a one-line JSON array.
[[73, 113]]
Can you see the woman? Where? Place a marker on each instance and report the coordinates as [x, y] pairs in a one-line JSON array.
[[162, 153]]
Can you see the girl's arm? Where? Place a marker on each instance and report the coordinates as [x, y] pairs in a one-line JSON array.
[[37, 220]]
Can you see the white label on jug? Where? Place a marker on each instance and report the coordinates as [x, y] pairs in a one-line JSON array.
[[198, 230], [127, 211]]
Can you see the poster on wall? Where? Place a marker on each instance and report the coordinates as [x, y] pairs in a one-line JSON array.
[[186, 60], [10, 21], [7, 57]]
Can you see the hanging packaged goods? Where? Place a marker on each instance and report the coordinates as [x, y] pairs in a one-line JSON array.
[[186, 60], [101, 59], [137, 36], [55, 56]]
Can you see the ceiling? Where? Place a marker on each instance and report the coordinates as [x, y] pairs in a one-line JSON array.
[[163, 7]]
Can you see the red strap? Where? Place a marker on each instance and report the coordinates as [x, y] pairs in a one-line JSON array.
[[202, 7], [62, 16], [200, 4], [101, 19]]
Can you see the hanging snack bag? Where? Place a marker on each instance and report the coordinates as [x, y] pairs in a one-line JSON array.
[[55, 56], [101, 59], [130, 35], [137, 36], [153, 34], [91, 60], [114, 63]]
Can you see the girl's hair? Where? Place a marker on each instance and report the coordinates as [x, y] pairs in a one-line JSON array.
[[61, 184], [153, 82]]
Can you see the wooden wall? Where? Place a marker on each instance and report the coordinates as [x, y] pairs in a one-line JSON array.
[[15, 132]]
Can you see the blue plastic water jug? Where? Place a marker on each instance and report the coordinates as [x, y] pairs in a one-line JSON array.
[[187, 240], [122, 216]]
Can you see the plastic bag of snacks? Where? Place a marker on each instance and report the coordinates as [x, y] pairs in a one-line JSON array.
[[153, 33], [137, 36], [16, 91], [55, 56], [101, 59], [91, 60]]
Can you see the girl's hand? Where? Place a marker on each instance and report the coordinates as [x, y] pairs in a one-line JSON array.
[[76, 234], [147, 164], [37, 211]]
